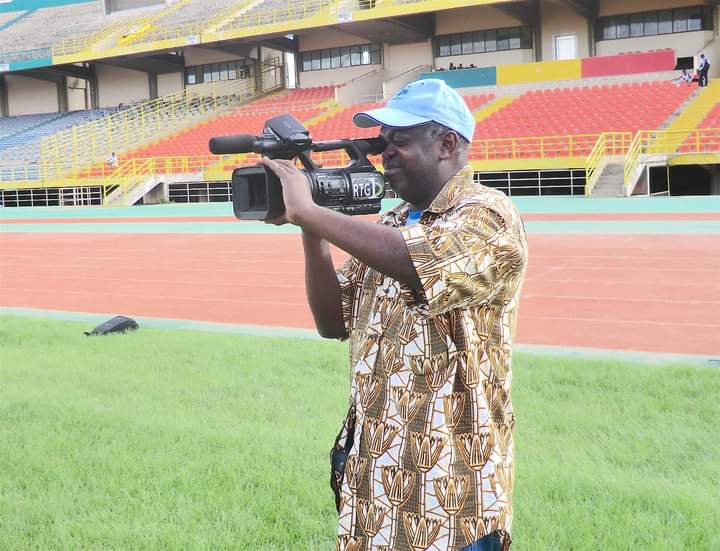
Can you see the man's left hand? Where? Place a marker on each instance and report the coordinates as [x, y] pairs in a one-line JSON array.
[[296, 191]]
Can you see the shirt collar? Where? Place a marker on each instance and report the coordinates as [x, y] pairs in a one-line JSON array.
[[446, 198]]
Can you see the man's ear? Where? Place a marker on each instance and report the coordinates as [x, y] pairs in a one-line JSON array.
[[449, 145]]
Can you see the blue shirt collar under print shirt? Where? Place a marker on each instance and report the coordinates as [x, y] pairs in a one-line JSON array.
[[413, 216]]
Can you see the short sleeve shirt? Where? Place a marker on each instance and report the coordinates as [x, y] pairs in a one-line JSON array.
[[431, 465]]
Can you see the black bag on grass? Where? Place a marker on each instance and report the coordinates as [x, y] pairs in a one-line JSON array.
[[118, 324]]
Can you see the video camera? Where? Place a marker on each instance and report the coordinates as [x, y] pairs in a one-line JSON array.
[[356, 188]]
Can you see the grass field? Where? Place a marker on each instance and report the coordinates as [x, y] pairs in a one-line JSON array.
[[188, 440]]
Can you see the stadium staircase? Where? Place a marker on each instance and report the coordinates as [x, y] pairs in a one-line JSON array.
[[184, 156]]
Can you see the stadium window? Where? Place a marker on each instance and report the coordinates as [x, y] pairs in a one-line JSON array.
[[515, 41], [215, 72], [636, 24], [335, 58], [223, 71], [491, 41], [695, 18], [479, 42], [307, 61], [622, 24], [190, 76], [365, 54], [680, 20], [375, 54], [467, 43], [232, 70], [316, 63], [207, 73], [443, 46], [345, 57], [325, 59], [526, 38], [665, 22], [503, 39], [650, 23], [355, 55], [456, 44]]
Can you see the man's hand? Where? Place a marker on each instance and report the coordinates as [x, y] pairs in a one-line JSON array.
[[296, 191]]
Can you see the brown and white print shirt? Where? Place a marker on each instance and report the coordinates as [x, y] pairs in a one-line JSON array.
[[431, 465]]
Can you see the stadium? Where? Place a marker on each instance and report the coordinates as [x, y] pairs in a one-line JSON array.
[[209, 427]]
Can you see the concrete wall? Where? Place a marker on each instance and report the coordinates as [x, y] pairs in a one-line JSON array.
[[491, 59], [117, 85], [334, 76], [201, 56], [328, 38], [557, 19], [76, 94], [401, 57], [170, 83], [614, 7], [684, 44], [477, 18], [27, 96]]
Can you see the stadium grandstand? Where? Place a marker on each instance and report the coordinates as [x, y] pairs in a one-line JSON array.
[[571, 97]]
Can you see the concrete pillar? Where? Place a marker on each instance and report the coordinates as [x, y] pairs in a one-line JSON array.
[[93, 87], [62, 94], [152, 85], [4, 107]]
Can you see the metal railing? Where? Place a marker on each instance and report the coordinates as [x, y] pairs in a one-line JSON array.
[[663, 143], [609, 144], [577, 145], [89, 143]]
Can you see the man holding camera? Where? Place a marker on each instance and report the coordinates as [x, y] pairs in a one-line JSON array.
[[429, 302]]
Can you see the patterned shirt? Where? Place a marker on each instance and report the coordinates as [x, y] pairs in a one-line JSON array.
[[431, 462]]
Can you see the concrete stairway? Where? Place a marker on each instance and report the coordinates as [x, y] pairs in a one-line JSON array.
[[611, 182]]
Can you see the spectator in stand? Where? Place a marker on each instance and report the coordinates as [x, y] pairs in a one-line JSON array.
[[460, 66], [472, 66], [685, 77], [112, 160], [703, 69], [452, 67]]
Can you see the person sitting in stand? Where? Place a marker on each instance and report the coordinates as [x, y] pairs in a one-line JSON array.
[[451, 67]]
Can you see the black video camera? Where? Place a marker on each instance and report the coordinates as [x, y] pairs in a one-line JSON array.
[[356, 188]]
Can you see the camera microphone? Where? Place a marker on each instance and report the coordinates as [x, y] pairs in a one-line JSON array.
[[228, 145]]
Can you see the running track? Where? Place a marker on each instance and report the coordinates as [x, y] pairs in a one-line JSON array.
[[650, 292]]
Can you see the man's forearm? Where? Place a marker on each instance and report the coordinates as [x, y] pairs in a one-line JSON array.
[[322, 287], [380, 247]]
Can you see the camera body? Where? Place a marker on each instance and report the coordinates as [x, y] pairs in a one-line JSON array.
[[356, 188]]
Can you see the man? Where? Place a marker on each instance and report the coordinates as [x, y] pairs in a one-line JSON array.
[[112, 160], [429, 301], [703, 69]]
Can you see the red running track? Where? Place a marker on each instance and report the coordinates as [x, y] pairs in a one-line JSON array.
[[657, 293]]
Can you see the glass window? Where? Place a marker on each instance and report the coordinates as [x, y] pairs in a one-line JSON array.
[[215, 71], [345, 57], [467, 43], [650, 23], [307, 61], [525, 38], [223, 71], [609, 31], [316, 64], [455, 44], [478, 42], [665, 22], [694, 19], [232, 70], [491, 41], [375, 55], [355, 55], [503, 39], [514, 38], [190, 76], [636, 24], [622, 23], [443, 46], [325, 59], [365, 54], [335, 58], [207, 73], [680, 23]]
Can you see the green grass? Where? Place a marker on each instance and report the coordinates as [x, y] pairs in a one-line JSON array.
[[180, 440]]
